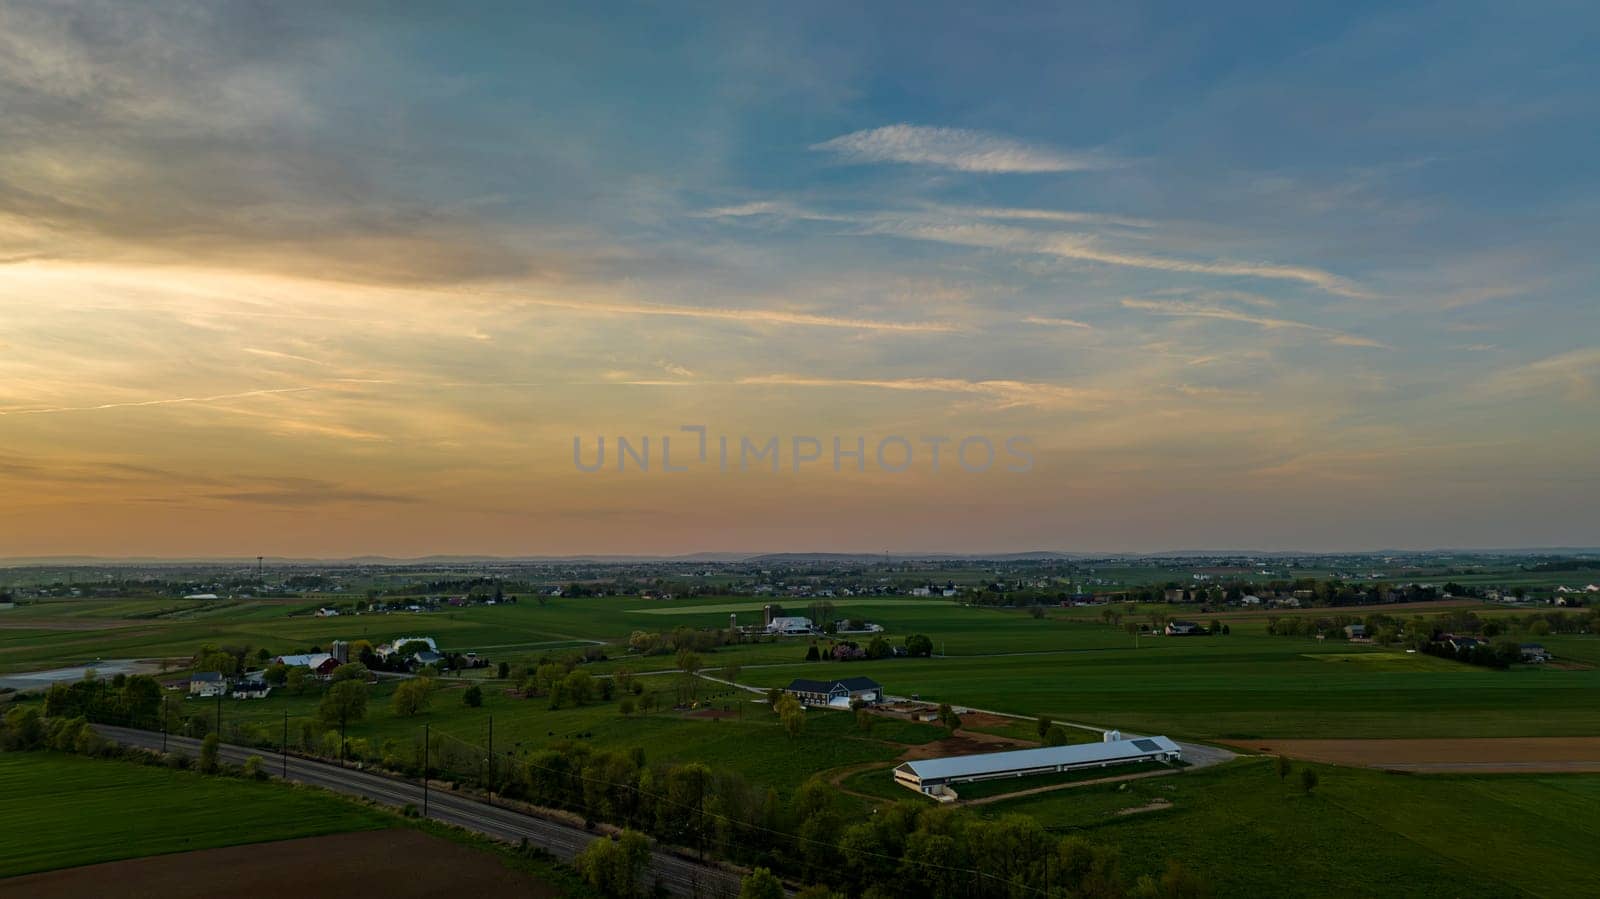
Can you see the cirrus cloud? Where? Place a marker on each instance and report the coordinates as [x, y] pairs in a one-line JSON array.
[[956, 148]]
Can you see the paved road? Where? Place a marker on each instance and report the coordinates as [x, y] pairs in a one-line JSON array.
[[679, 876]]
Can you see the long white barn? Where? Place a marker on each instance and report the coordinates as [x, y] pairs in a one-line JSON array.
[[931, 776]]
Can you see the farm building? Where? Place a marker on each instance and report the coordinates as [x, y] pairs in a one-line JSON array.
[[320, 663], [1184, 629], [790, 625], [935, 776], [207, 683], [836, 693], [1534, 652], [1355, 631]]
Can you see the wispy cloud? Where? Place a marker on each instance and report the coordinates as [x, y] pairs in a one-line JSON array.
[[1185, 309], [955, 148], [1086, 248], [165, 401], [747, 316], [1575, 372], [1005, 393], [1051, 321]]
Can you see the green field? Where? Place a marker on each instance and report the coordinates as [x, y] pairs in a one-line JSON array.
[[1363, 830], [59, 811], [1361, 833], [1069, 664]]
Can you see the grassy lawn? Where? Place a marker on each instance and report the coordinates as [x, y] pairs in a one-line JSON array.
[[1361, 833], [59, 811]]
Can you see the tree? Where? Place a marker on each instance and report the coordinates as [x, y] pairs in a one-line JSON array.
[[503, 670], [141, 699], [295, 680], [473, 697], [1056, 736], [617, 866], [626, 706], [1283, 768], [1308, 780], [948, 716], [919, 645], [350, 671], [343, 703], [221, 662], [1175, 882], [689, 664], [411, 697], [1042, 725], [812, 654], [579, 687], [731, 672], [791, 714], [761, 884], [208, 755], [878, 648]]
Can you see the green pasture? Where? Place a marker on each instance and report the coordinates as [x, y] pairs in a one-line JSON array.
[[1360, 833], [60, 811], [751, 742]]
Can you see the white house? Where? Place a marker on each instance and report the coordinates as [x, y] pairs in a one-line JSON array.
[[207, 683]]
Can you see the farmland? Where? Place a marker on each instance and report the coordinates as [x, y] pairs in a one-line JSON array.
[[1369, 832], [1247, 688], [58, 811]]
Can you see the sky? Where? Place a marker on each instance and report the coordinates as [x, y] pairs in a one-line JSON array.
[[342, 279]]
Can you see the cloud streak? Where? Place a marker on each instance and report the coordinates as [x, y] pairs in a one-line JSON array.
[[1183, 309], [167, 401], [745, 316], [955, 148], [1005, 393]]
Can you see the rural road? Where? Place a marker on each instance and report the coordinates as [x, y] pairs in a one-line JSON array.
[[678, 876]]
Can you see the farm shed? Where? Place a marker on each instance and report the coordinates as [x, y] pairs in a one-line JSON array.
[[836, 693], [931, 776]]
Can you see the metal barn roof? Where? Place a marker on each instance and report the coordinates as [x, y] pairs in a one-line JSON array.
[[1026, 759]]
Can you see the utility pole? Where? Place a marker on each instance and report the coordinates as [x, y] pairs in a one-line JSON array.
[[490, 759], [164, 712], [286, 744], [219, 716], [425, 748]]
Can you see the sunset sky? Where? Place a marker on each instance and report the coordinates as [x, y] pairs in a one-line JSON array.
[[288, 281]]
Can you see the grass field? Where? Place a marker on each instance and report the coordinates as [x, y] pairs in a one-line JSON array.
[[60, 811], [1069, 665], [754, 745], [1361, 833]]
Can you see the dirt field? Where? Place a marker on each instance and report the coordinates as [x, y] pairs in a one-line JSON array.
[[967, 742], [408, 863], [1498, 755]]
